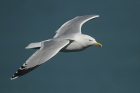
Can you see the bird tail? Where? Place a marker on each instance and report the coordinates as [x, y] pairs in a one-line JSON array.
[[36, 45]]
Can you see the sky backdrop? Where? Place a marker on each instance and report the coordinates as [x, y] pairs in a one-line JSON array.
[[114, 68]]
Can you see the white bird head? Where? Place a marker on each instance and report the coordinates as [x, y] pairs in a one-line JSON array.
[[91, 41]]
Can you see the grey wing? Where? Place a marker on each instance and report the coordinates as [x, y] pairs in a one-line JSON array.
[[74, 26], [47, 51]]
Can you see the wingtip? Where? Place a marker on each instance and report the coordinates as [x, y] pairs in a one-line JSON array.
[[13, 77], [96, 15]]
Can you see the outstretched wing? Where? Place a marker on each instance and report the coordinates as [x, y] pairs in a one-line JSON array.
[[48, 50], [74, 26]]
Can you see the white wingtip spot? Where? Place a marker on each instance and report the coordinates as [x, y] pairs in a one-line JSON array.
[[12, 78]]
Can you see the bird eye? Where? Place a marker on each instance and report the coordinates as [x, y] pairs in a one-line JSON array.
[[90, 40]]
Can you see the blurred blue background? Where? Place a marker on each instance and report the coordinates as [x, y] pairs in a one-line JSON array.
[[114, 68]]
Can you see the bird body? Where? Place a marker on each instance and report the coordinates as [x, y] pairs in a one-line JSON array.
[[80, 43]]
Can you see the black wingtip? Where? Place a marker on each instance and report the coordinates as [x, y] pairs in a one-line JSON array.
[[21, 71], [13, 77]]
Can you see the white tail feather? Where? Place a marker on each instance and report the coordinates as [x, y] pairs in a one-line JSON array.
[[33, 45]]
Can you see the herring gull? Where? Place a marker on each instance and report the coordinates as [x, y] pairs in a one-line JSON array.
[[68, 38]]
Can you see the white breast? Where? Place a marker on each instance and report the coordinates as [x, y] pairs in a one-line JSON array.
[[74, 46]]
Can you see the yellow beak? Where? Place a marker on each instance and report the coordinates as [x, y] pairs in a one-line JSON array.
[[98, 44]]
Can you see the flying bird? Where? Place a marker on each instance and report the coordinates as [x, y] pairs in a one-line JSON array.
[[68, 38]]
